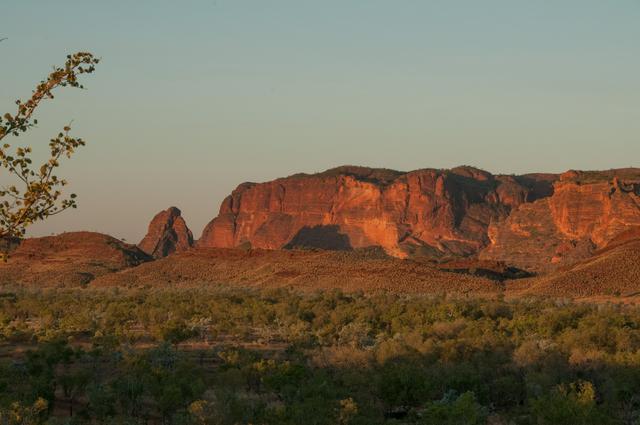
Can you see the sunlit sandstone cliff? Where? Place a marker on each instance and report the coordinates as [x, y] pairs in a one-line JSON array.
[[586, 211], [424, 211], [533, 221]]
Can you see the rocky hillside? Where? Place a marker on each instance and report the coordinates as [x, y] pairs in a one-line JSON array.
[[434, 212], [611, 271], [68, 259], [365, 270], [586, 211]]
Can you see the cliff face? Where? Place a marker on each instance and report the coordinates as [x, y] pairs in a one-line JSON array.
[[168, 233], [424, 211], [586, 211]]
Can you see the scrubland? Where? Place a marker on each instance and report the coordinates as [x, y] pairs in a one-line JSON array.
[[230, 355]]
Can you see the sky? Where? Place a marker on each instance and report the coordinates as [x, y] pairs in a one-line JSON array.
[[193, 98]]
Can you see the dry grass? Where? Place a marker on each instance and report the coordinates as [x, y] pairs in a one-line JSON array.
[[349, 271], [69, 259], [613, 273]]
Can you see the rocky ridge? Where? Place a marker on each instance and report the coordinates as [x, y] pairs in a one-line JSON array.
[[463, 229], [425, 211], [533, 221]]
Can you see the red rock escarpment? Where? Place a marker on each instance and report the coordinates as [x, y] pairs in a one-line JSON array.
[[168, 233], [586, 211], [435, 211]]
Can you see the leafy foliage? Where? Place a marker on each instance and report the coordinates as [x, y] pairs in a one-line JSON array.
[[37, 193], [228, 355]]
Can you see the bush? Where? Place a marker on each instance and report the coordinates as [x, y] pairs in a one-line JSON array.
[[454, 410]]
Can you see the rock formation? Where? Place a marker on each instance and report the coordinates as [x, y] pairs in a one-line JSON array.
[[534, 221], [612, 271], [441, 212], [168, 233], [586, 211]]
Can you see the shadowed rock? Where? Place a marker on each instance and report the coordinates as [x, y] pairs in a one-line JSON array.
[[322, 237]]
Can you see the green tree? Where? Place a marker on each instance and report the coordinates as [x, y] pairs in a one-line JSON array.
[[452, 410], [348, 409], [18, 414], [568, 404], [173, 382], [73, 384], [34, 192]]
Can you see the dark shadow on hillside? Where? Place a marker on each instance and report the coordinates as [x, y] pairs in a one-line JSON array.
[[320, 237], [496, 274]]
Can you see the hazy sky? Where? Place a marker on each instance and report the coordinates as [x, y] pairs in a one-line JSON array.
[[195, 97]]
